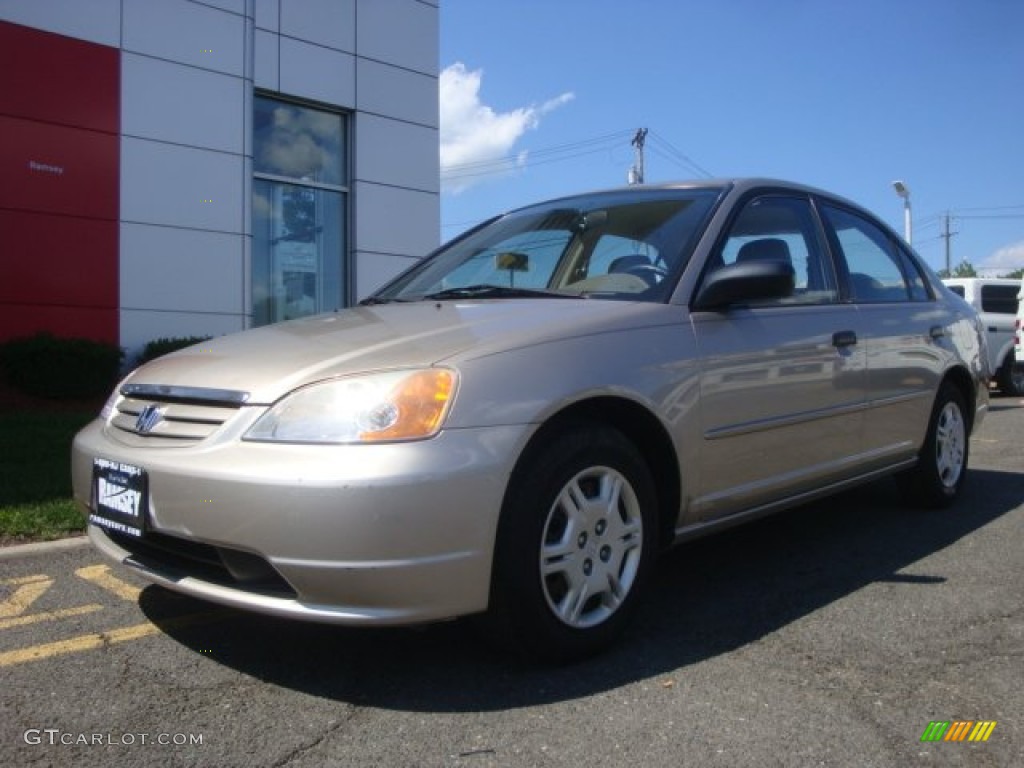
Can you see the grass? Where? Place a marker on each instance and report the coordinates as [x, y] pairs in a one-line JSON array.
[[35, 475]]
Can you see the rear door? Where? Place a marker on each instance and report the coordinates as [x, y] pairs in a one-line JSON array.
[[901, 331], [782, 382]]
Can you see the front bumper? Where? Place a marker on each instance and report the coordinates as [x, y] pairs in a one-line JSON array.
[[361, 534]]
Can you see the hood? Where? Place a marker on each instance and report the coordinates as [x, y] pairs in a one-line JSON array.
[[269, 362]]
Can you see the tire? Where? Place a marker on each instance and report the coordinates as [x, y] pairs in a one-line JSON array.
[[576, 541], [941, 469], [1010, 377]]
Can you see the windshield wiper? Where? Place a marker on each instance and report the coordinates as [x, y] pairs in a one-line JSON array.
[[484, 291], [370, 301]]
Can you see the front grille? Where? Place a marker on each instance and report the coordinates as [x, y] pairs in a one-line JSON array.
[[176, 558], [176, 415]]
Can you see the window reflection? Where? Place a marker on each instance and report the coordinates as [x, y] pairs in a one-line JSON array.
[[298, 142], [296, 251], [298, 211]]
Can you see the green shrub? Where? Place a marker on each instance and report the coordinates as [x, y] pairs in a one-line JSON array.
[[159, 347], [59, 368]]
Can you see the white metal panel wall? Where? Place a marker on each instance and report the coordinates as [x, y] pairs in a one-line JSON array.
[[98, 21], [183, 191], [186, 33], [212, 259], [184, 245], [397, 226], [402, 33], [168, 102], [268, 60], [397, 165], [314, 72], [327, 23], [402, 94]]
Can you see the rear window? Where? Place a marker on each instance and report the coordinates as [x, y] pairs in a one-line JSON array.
[[1000, 299]]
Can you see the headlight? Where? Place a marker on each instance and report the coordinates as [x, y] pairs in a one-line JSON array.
[[391, 406]]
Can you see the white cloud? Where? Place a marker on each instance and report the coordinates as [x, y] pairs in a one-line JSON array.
[[1006, 259], [476, 141]]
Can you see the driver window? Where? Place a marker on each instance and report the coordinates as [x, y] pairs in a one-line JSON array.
[[775, 228]]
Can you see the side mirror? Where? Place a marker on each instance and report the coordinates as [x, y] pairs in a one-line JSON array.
[[744, 282]]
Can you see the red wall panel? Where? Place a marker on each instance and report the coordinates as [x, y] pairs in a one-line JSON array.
[[58, 260], [59, 185], [58, 79], [70, 322], [56, 169]]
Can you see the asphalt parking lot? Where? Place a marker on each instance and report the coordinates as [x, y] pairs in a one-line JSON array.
[[831, 635]]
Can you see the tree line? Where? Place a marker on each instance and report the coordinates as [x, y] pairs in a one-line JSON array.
[[966, 269]]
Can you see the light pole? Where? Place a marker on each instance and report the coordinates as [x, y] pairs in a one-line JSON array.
[[904, 191]]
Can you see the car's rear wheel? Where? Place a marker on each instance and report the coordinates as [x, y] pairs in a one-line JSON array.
[[937, 479], [575, 544]]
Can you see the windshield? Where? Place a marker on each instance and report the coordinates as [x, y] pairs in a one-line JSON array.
[[630, 244]]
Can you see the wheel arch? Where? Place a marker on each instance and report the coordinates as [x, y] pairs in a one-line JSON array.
[[962, 380], [638, 425], [1006, 354]]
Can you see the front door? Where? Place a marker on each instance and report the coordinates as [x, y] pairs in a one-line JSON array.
[[783, 381]]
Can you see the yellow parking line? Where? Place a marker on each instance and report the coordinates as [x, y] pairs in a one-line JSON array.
[[76, 644], [26, 580], [100, 576], [27, 591], [63, 613], [100, 639]]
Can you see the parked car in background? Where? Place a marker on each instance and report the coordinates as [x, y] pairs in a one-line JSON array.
[[996, 301], [520, 423]]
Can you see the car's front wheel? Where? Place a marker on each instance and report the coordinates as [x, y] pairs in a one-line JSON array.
[[575, 544], [942, 463]]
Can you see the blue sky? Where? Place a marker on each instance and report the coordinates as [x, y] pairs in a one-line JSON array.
[[541, 98]]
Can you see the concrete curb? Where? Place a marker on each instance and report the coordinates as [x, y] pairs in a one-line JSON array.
[[42, 547]]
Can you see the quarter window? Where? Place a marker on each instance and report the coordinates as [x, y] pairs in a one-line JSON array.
[[875, 265], [299, 203], [919, 290]]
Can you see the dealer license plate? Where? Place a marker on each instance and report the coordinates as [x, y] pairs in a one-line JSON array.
[[119, 497]]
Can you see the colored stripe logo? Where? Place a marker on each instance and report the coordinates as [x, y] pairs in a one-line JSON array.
[[958, 730]]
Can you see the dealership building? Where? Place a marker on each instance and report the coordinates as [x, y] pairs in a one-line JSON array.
[[197, 167]]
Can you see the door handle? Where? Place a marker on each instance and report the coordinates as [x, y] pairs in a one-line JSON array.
[[936, 332], [842, 339]]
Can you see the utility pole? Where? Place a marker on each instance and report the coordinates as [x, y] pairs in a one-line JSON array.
[[947, 236], [636, 173]]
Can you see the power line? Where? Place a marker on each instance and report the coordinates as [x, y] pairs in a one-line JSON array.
[[666, 149], [543, 156], [985, 212], [571, 151], [993, 208], [497, 167], [546, 151]]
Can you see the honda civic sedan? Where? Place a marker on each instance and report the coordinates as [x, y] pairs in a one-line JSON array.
[[516, 426]]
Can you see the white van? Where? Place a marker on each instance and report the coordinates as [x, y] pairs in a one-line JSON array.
[[997, 300]]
